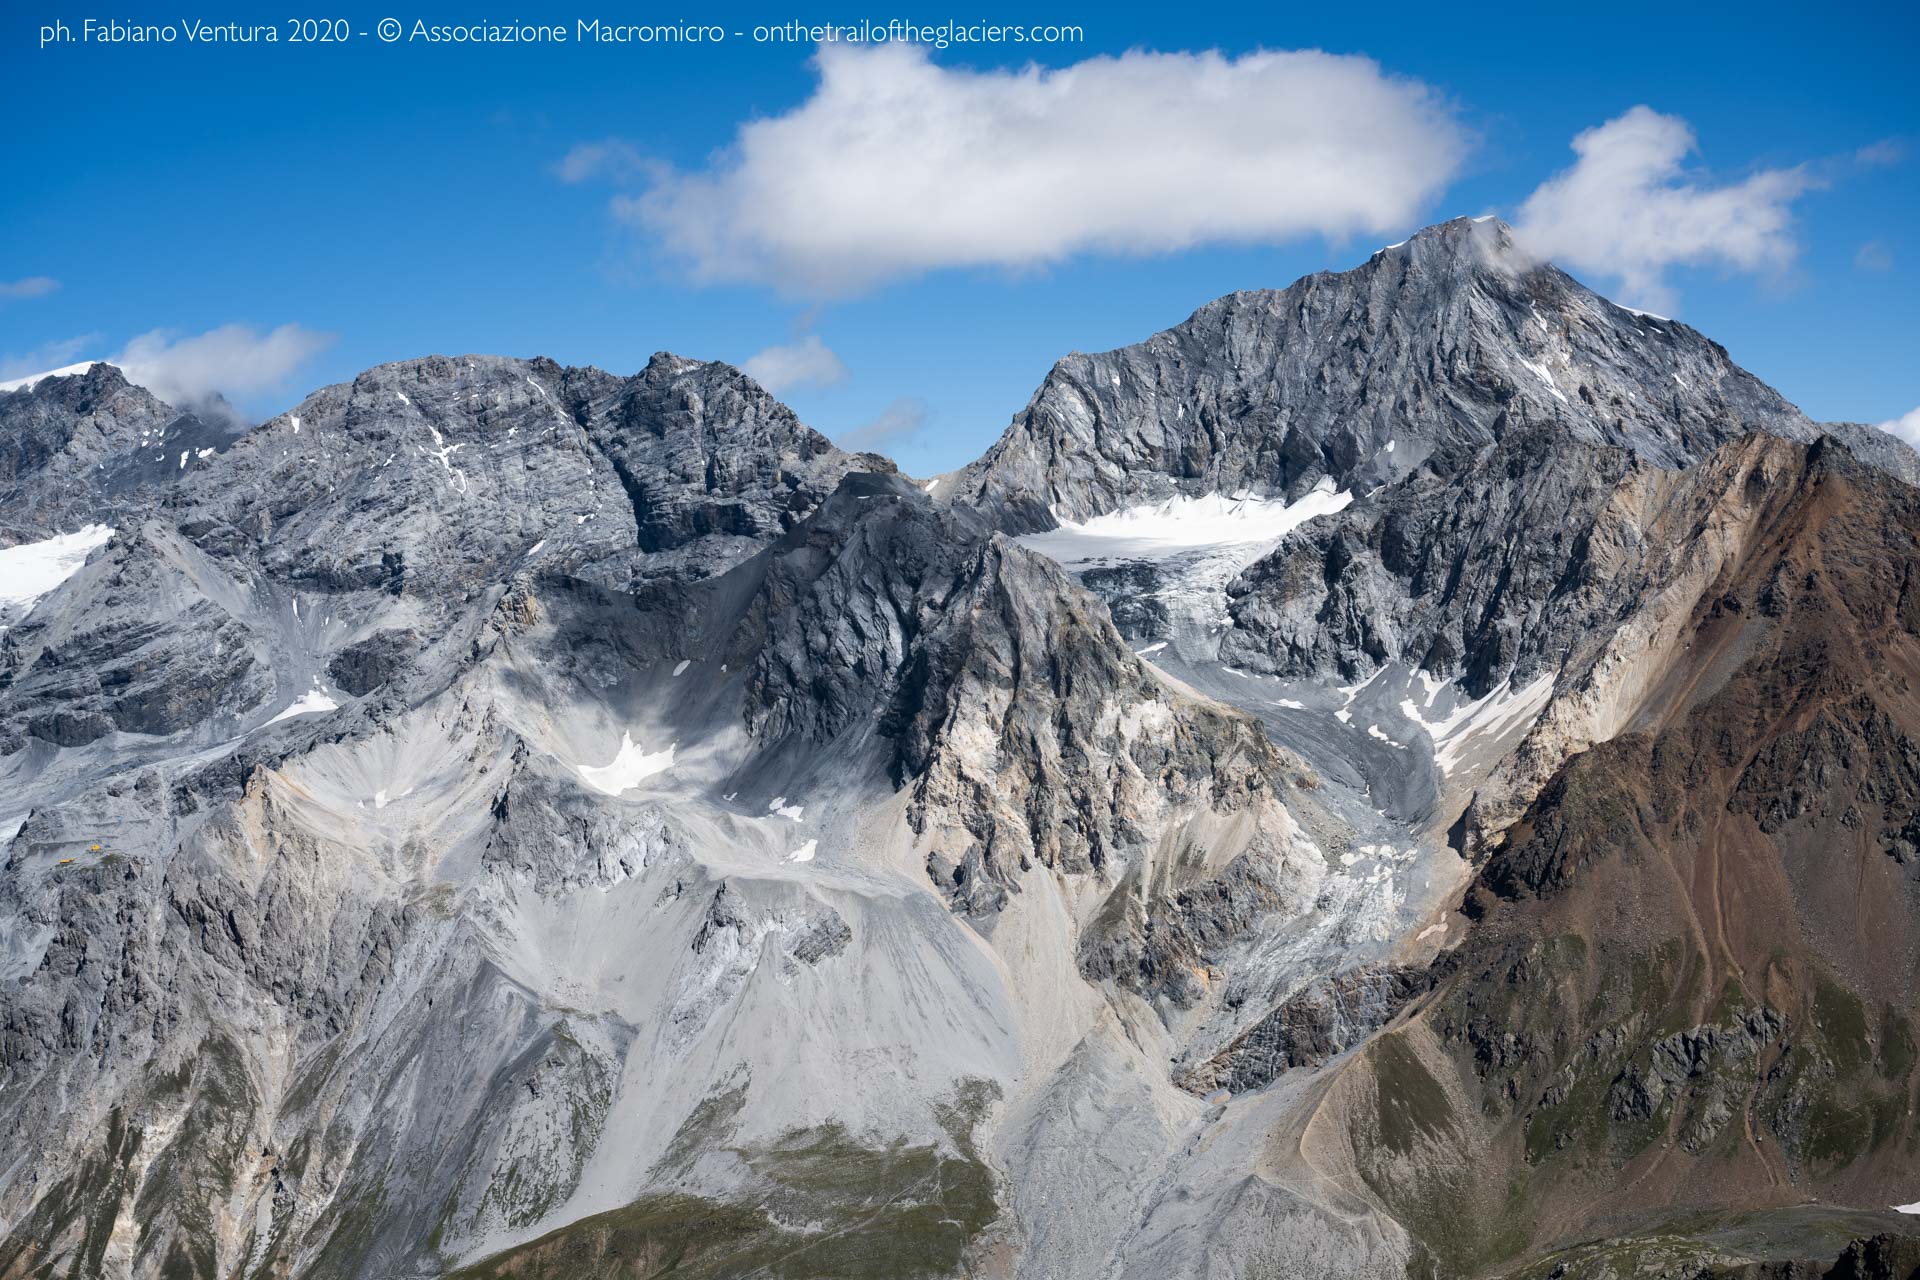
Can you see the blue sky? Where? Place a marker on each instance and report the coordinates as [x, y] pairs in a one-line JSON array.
[[398, 200]]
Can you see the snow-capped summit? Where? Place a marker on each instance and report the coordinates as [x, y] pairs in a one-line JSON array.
[[34, 379]]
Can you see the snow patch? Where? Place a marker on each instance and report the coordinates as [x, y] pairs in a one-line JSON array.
[[444, 452], [681, 667], [804, 853], [627, 768], [1547, 378], [780, 806], [1491, 717], [32, 569], [310, 702], [1375, 731]]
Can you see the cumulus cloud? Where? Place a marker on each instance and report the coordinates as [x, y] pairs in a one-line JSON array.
[[896, 422], [233, 360], [1628, 209], [896, 166], [612, 158], [808, 362], [1907, 427], [27, 287]]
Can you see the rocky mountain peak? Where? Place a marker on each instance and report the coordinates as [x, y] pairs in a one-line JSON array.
[[75, 448], [1430, 349]]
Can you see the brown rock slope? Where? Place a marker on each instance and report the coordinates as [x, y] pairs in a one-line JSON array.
[[1694, 984]]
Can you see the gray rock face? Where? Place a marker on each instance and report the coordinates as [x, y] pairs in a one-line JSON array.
[[1516, 561], [1325, 1018], [996, 693], [1438, 346], [73, 449], [383, 508], [428, 475], [1489, 568]]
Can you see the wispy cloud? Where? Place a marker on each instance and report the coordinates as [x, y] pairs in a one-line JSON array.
[[808, 362], [1907, 427], [48, 355], [1874, 256], [233, 360], [899, 420], [27, 287], [1628, 209], [897, 166], [1887, 151], [611, 158]]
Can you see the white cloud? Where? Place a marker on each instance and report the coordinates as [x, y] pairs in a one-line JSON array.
[[27, 287], [1628, 209], [897, 421], [234, 360], [806, 363], [1874, 256], [1907, 427], [612, 158], [896, 166]]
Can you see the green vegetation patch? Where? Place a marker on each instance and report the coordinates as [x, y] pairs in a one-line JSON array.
[[1412, 1104], [823, 1207]]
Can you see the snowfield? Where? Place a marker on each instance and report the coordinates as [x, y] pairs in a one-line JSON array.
[[1179, 525], [31, 570]]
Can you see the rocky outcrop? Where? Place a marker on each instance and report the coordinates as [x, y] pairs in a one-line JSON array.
[[1488, 567], [1021, 726], [1323, 1019]]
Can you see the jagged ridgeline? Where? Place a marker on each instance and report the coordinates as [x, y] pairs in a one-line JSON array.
[[1411, 774]]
